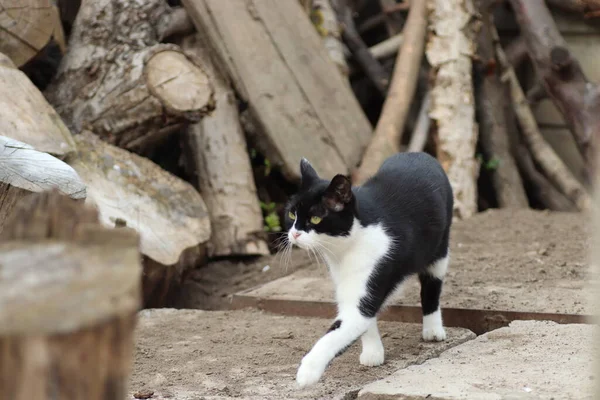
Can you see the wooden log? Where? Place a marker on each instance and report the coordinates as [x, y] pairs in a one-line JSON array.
[[26, 26], [494, 137], [449, 50], [24, 170], [572, 93], [589, 8], [553, 167], [119, 82], [391, 124], [69, 294], [223, 170], [301, 104], [25, 115], [168, 213]]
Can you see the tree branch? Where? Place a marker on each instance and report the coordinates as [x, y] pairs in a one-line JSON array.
[[541, 151], [388, 132], [516, 52], [421, 131], [572, 93], [589, 8], [373, 69]]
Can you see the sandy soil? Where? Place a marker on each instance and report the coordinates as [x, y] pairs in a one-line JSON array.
[[194, 355]]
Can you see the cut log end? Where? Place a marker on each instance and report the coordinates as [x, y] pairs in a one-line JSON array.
[[181, 85]]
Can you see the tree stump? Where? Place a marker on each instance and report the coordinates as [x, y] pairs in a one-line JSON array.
[[25, 115], [118, 81], [24, 170], [69, 294], [167, 212], [220, 159]]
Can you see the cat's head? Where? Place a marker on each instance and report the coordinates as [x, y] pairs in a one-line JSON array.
[[321, 209]]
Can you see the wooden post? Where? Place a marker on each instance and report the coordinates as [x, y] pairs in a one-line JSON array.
[[69, 293]]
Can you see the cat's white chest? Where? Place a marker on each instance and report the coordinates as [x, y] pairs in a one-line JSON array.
[[351, 266]]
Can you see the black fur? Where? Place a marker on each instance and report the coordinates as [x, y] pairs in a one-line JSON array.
[[410, 195]]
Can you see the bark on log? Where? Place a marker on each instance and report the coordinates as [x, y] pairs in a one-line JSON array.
[[220, 160], [69, 294], [388, 132], [24, 170], [572, 93], [168, 213], [26, 26], [325, 21], [449, 50], [489, 93], [119, 82], [300, 103], [553, 166], [25, 115]]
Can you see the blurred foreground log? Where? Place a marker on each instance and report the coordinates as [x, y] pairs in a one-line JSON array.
[[26, 26], [388, 133], [25, 115], [572, 93], [168, 213], [490, 94], [449, 50], [69, 294], [119, 82], [24, 170], [299, 102], [223, 170]]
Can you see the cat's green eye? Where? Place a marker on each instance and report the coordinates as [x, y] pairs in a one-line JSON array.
[[292, 215], [315, 220]]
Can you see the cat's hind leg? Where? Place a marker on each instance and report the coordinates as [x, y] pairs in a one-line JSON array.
[[431, 289], [372, 353]]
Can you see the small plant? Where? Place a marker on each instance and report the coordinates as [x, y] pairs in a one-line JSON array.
[[490, 165], [272, 222]]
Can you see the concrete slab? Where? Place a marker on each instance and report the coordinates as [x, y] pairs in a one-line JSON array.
[[193, 354], [527, 360]]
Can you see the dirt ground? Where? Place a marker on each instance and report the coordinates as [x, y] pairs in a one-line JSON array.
[[511, 260], [194, 355]]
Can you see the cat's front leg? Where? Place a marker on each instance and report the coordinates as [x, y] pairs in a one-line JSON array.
[[346, 329], [372, 348]]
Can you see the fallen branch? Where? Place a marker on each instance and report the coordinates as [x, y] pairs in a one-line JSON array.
[[392, 19], [589, 8], [516, 52], [421, 131], [537, 93], [572, 93], [363, 57], [553, 167], [388, 133], [177, 22], [542, 189], [494, 138], [387, 48]]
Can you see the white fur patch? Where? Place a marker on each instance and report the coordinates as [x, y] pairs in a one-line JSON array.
[[372, 348], [439, 268], [433, 328]]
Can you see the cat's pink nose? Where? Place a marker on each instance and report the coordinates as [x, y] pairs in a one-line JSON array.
[[295, 234]]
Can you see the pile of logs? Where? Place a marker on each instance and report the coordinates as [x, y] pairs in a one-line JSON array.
[[185, 121]]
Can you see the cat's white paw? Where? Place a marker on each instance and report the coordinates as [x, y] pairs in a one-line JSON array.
[[434, 334], [372, 357], [310, 371]]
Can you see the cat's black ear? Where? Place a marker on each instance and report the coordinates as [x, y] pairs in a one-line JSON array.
[[308, 173], [339, 193]]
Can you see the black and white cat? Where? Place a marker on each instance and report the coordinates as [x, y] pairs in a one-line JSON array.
[[372, 238]]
